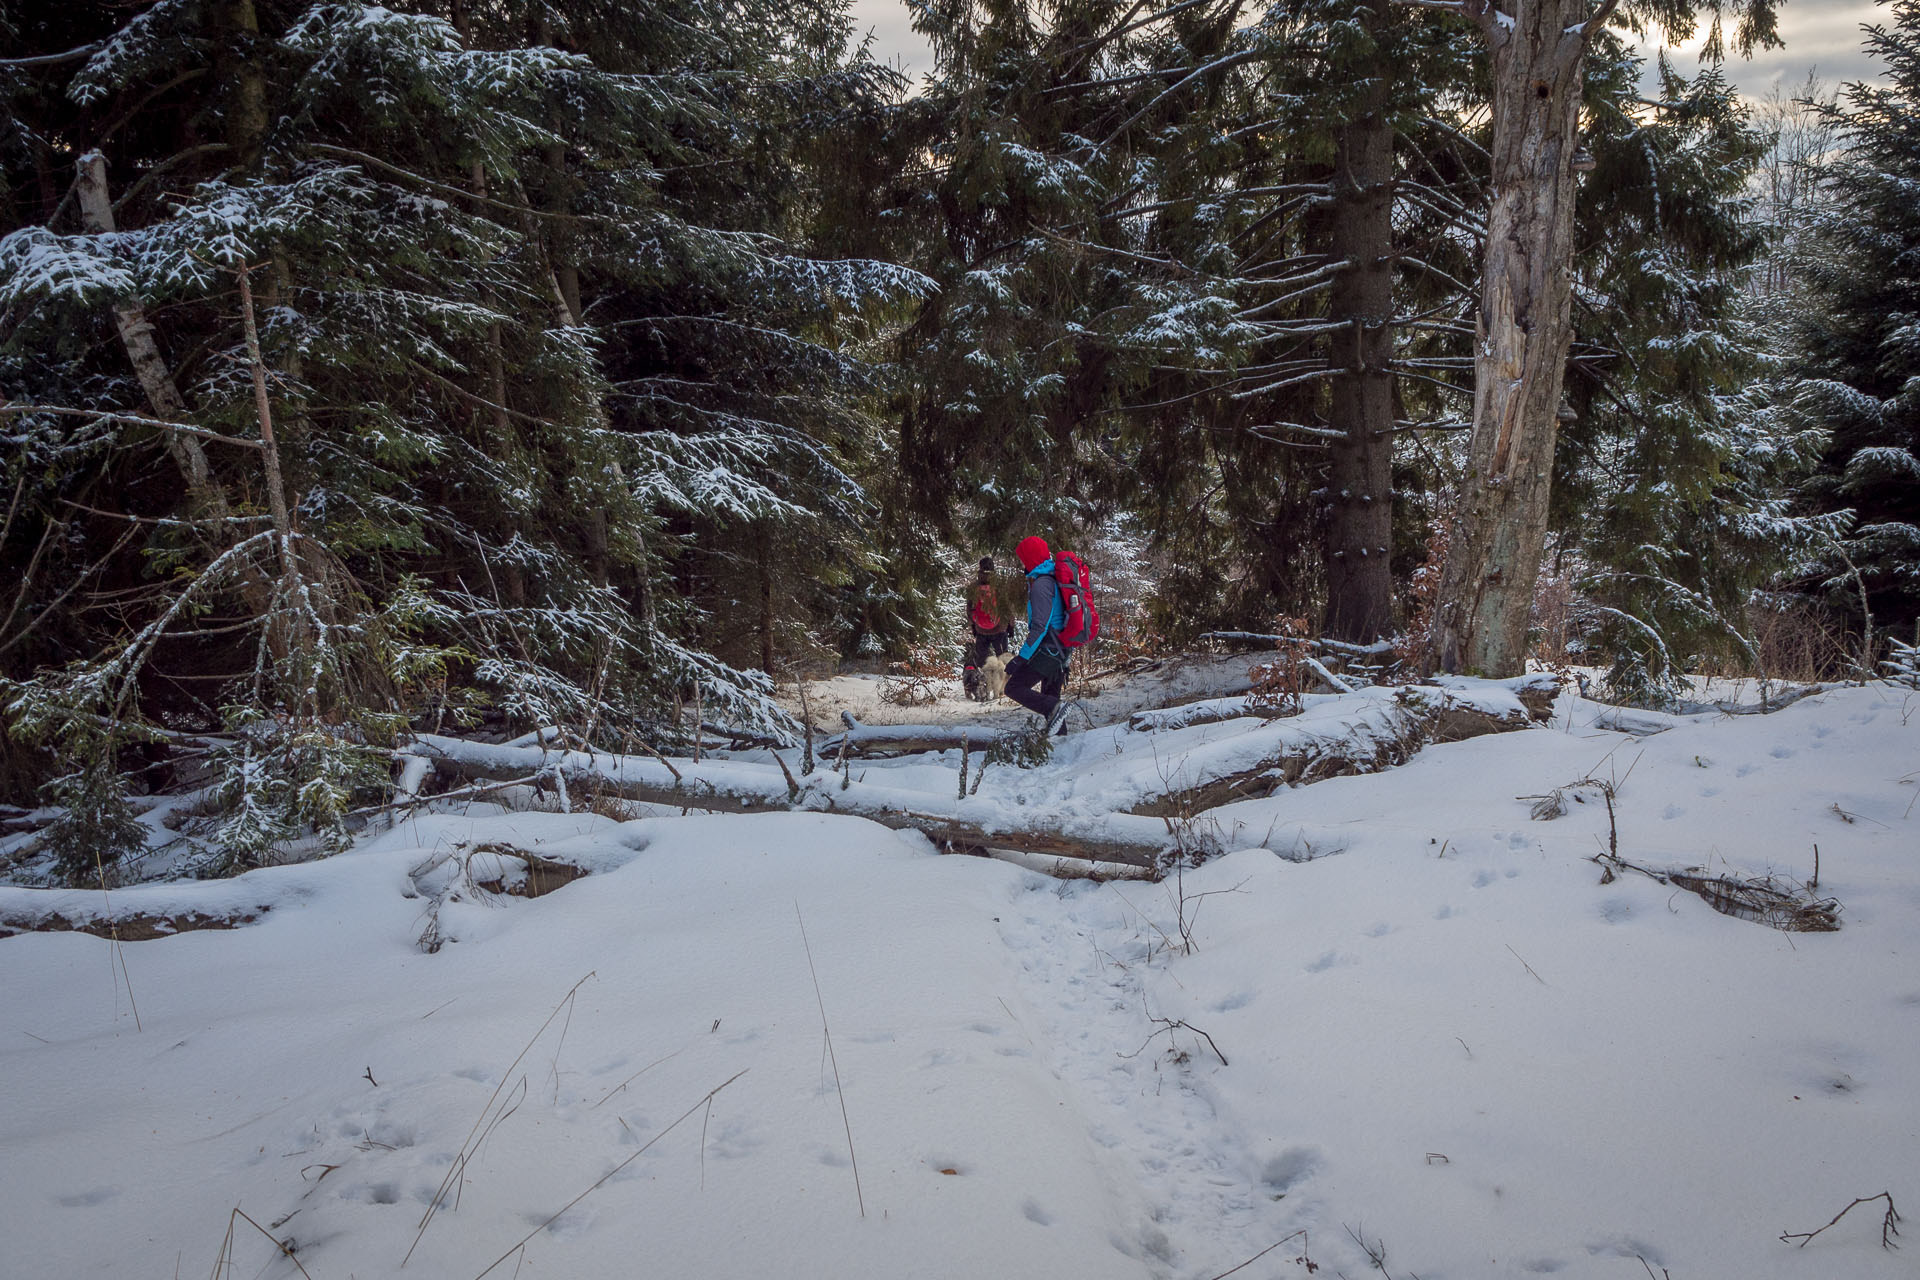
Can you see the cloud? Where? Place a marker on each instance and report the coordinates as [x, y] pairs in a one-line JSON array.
[[895, 42], [1822, 36]]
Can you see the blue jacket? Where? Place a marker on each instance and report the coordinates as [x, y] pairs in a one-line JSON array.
[[1043, 599]]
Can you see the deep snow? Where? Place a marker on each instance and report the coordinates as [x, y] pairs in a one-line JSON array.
[[1449, 1041]]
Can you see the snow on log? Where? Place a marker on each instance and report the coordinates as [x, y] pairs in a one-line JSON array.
[[1641, 724], [721, 786], [141, 913], [869, 739], [1070, 812], [1213, 711], [1364, 732], [1770, 701], [736, 786]]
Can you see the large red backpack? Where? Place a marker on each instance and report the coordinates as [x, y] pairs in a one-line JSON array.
[[1082, 618]]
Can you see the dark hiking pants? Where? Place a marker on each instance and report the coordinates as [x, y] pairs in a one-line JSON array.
[[1036, 684]]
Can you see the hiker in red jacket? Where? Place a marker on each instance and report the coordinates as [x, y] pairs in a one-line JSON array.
[[1042, 660], [989, 632]]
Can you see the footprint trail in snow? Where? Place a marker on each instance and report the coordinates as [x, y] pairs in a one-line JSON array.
[[1093, 961]]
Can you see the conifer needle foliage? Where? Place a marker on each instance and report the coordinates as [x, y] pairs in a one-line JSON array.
[[408, 364]]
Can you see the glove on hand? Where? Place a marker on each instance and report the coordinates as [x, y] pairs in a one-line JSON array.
[[1014, 664]]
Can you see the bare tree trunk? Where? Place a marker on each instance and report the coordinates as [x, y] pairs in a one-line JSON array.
[[502, 439], [245, 77], [566, 274], [143, 351], [1359, 534], [270, 450], [294, 610], [1500, 526], [766, 613]]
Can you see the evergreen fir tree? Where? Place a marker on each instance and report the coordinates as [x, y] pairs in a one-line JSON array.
[[1673, 474], [537, 331], [1858, 358]]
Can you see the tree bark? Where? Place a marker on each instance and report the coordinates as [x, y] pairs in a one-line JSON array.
[[502, 440], [766, 612], [143, 350], [1359, 534], [245, 78], [270, 450], [1500, 524], [880, 739]]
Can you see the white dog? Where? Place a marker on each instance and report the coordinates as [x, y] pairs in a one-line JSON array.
[[993, 676]]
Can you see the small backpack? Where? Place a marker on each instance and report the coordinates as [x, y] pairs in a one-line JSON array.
[[1082, 617], [985, 611]]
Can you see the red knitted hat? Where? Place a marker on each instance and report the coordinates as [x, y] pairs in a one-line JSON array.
[[1032, 552]]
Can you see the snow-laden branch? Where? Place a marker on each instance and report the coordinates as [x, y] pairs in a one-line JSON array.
[[138, 420]]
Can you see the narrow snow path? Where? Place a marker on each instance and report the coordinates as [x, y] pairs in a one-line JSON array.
[[1093, 957]]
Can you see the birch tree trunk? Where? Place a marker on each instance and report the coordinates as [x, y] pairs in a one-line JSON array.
[[143, 351], [1500, 526]]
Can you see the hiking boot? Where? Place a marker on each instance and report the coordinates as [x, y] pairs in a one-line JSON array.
[[1057, 719]]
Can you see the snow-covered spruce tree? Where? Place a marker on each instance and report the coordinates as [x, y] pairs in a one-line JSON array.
[[1042, 125], [486, 414], [1341, 206], [1169, 201], [1673, 472], [1857, 360]]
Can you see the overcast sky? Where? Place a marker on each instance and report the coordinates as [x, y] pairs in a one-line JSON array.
[[1820, 34]]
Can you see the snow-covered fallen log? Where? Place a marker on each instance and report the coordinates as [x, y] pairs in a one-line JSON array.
[[1641, 724], [1207, 711], [1150, 787], [871, 739], [737, 786], [1364, 732], [141, 913], [1770, 701]]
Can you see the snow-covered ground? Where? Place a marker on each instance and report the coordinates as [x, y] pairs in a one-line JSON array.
[[806, 1046]]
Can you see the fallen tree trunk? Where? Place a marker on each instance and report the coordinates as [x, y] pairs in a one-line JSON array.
[[868, 739], [132, 926], [1339, 736], [1210, 711], [733, 786], [1768, 704]]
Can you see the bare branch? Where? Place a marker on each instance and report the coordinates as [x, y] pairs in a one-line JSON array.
[[53, 59], [136, 419]]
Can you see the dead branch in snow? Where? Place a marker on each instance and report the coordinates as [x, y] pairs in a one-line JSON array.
[[1777, 904], [1889, 1223]]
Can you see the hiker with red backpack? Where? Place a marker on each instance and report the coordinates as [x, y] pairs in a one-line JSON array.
[[989, 629], [1060, 619]]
